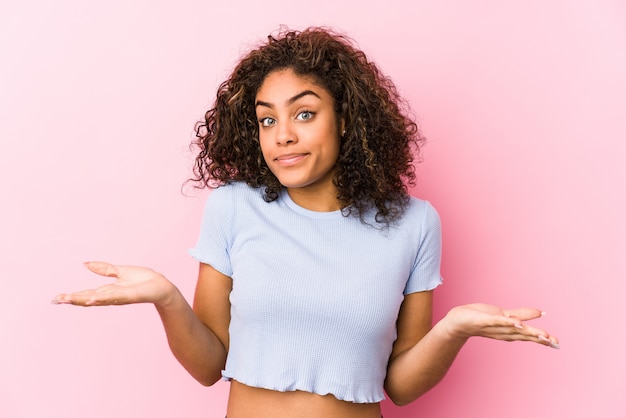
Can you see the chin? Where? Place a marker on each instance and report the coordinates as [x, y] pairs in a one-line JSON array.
[[293, 183]]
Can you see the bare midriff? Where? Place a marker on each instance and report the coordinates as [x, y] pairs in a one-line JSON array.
[[246, 402]]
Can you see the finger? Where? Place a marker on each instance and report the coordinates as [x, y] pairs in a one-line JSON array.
[[60, 299], [504, 333], [79, 299], [536, 335], [102, 268], [104, 295], [541, 336], [506, 321], [524, 314], [549, 341]]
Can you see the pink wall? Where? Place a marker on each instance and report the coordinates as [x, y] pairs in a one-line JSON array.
[[523, 103]]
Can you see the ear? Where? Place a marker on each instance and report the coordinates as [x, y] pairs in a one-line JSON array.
[[342, 126]]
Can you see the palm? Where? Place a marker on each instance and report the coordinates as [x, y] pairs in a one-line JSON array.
[[494, 322], [132, 285]]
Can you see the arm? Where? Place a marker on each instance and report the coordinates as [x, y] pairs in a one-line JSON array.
[[199, 340], [422, 355]]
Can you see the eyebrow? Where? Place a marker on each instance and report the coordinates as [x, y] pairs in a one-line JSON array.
[[290, 100]]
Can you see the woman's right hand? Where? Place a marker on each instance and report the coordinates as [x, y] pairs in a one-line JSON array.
[[132, 284]]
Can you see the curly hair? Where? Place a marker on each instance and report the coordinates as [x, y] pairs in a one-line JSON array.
[[377, 151]]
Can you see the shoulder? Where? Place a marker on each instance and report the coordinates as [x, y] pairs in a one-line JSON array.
[[420, 220], [235, 188], [420, 210], [240, 203], [222, 201], [229, 193]]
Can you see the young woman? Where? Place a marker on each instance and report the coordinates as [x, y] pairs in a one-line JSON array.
[[317, 269]]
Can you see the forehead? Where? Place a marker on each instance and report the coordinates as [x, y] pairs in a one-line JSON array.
[[280, 85]]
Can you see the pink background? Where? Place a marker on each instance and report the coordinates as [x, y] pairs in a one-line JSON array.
[[523, 105]]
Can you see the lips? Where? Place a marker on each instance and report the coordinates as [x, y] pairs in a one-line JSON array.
[[290, 159]]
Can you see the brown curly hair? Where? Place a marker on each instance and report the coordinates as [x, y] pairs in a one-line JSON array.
[[378, 148]]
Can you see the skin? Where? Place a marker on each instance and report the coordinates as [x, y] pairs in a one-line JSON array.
[[299, 134]]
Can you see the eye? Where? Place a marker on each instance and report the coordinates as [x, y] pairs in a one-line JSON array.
[[305, 115], [267, 121]]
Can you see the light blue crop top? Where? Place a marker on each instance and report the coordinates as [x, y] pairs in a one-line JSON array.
[[315, 295]]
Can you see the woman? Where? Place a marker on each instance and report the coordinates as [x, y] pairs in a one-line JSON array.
[[317, 269]]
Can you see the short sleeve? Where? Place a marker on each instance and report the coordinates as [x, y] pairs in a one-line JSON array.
[[214, 241], [426, 272]]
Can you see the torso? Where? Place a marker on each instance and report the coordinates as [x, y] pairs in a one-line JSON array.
[[246, 402], [322, 305]]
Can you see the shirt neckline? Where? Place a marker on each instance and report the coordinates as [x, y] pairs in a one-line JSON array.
[[335, 214]]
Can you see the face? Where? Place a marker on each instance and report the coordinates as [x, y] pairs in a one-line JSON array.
[[298, 131]]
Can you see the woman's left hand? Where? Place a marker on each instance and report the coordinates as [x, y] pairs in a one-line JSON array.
[[482, 320]]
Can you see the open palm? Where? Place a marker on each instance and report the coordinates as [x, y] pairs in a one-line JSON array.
[[132, 284], [483, 320]]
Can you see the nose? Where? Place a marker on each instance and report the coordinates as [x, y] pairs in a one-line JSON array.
[[285, 134]]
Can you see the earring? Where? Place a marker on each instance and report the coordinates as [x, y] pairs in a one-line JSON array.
[[343, 133]]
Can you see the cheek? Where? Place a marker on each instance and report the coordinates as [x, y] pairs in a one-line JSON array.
[[264, 147], [335, 149]]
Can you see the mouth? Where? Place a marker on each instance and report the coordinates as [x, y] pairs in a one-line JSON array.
[[290, 159]]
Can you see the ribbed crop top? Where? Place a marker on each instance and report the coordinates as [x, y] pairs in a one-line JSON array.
[[315, 295]]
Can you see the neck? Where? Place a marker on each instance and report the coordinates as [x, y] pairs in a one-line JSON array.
[[324, 200]]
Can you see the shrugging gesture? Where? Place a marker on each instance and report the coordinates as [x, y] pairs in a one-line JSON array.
[[311, 150]]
